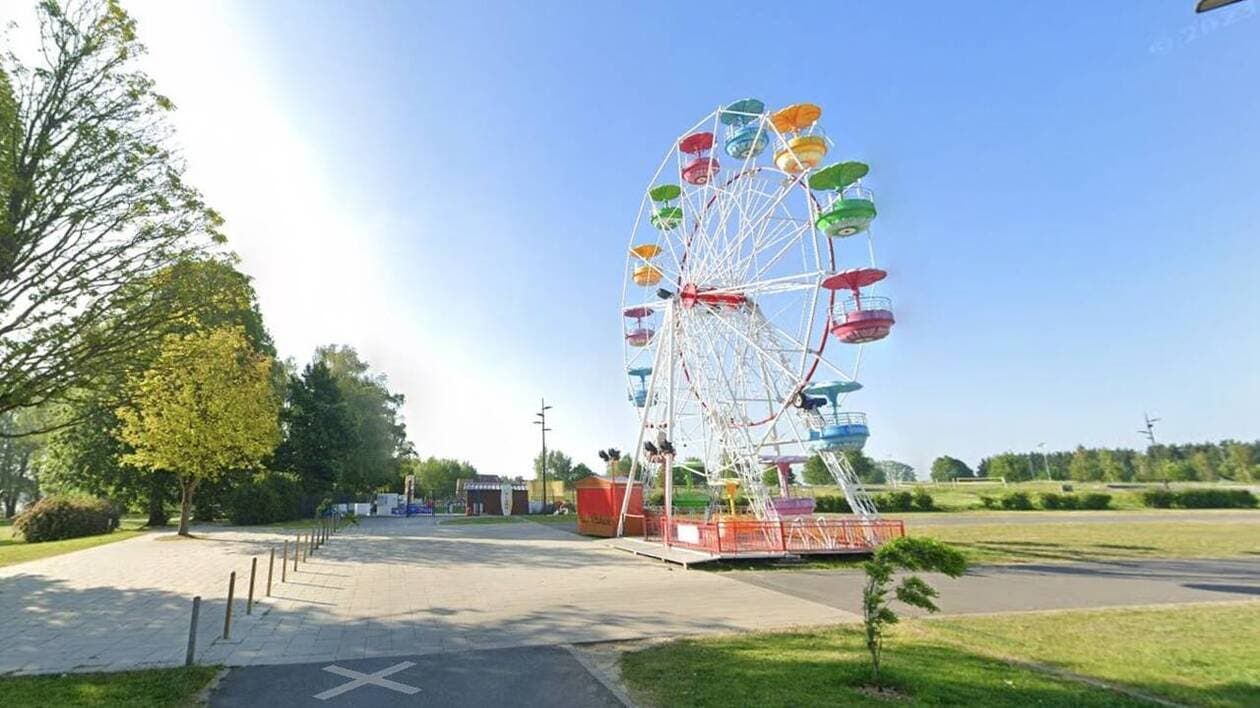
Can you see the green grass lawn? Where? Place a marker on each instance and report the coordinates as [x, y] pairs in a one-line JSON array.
[[479, 520], [152, 689], [966, 497], [1083, 541], [1202, 655], [1196, 654], [14, 550]]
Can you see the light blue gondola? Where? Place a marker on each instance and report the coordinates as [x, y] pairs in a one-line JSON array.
[[639, 395], [745, 136], [839, 431]]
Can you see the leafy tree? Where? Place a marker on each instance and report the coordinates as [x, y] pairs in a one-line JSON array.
[[437, 476], [559, 466], [18, 455], [898, 471], [380, 437], [1112, 467], [92, 201], [1240, 462], [206, 406], [1178, 471], [909, 553], [816, 472], [864, 467], [85, 457], [1204, 465], [321, 432], [580, 471], [1083, 467], [946, 468]]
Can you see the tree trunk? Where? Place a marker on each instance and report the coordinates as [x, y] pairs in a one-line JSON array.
[[157, 502], [10, 506], [186, 489]]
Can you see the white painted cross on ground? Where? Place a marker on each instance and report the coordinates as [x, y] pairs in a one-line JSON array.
[[362, 679]]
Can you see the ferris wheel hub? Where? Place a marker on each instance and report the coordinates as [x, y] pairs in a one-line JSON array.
[[692, 294]]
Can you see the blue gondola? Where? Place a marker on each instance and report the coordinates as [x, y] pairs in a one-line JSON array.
[[745, 136]]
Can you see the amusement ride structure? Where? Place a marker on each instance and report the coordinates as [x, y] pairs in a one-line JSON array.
[[750, 278]]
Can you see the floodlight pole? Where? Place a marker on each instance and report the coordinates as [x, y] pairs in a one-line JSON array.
[[542, 422], [1044, 459]]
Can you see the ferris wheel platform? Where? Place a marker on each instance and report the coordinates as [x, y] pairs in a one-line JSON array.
[[688, 541]]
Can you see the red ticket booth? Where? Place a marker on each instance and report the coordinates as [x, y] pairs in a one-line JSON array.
[[599, 502]]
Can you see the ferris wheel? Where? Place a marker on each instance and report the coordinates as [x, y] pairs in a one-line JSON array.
[[749, 297]]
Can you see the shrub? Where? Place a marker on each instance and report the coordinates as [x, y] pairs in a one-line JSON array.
[[1017, 501], [55, 518], [923, 501], [894, 501], [988, 501], [264, 498], [1096, 501], [833, 504], [1158, 498], [1053, 501], [1215, 499]]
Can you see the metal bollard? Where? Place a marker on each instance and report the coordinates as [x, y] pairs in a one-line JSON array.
[[227, 616], [253, 568], [284, 563], [192, 632], [271, 565]]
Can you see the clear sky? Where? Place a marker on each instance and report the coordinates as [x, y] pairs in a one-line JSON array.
[[1068, 197]]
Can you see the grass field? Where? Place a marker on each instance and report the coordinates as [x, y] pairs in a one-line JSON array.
[[14, 550], [481, 520], [966, 497], [1201, 655], [156, 688], [1083, 541]]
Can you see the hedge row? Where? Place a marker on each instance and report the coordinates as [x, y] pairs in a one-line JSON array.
[[265, 498], [1199, 499], [56, 518], [1021, 501], [918, 500]]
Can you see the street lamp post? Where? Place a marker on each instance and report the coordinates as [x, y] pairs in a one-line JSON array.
[[542, 423], [1044, 460]]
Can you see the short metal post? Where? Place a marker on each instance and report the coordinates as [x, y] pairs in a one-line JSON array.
[[284, 563], [271, 565], [253, 568], [192, 632], [227, 616]]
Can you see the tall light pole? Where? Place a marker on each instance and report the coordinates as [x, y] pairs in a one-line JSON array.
[[1044, 459], [542, 423]]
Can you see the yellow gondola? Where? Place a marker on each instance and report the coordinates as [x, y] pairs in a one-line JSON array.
[[647, 275]]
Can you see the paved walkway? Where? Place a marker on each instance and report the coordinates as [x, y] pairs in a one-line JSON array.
[[1011, 588], [388, 587], [410, 587]]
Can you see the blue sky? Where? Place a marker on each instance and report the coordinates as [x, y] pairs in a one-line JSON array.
[[1067, 196]]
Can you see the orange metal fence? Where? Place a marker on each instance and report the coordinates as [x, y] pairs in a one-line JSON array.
[[798, 535]]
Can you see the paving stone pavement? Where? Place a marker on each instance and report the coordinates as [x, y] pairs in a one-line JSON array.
[[385, 588]]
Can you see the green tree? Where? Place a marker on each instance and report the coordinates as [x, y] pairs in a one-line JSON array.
[[909, 553], [1240, 462], [864, 467], [1205, 466], [437, 476], [559, 466], [206, 406], [18, 458], [92, 201], [1112, 467], [1083, 467], [816, 472], [194, 295], [946, 468], [898, 471], [380, 437], [580, 471], [321, 433]]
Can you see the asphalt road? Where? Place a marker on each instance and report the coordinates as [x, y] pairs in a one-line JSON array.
[[1008, 588], [530, 676], [1173, 516]]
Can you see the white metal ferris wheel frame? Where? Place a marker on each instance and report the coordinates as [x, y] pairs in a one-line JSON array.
[[701, 410]]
